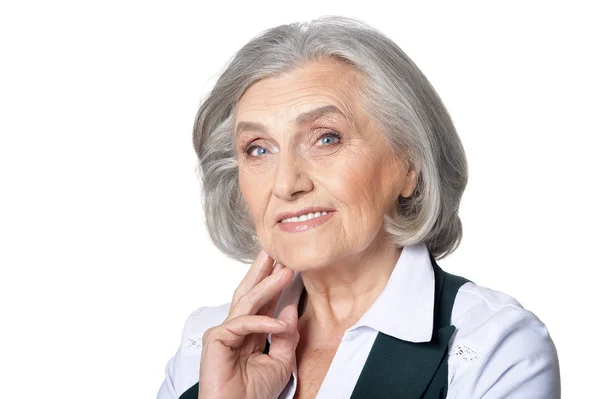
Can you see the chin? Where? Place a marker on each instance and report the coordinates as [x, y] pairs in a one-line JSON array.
[[301, 258]]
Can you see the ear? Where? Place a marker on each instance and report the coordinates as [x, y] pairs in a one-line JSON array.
[[410, 183]]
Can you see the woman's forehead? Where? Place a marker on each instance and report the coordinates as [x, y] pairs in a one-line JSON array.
[[302, 90]]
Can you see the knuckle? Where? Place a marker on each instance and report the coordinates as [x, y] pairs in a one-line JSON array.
[[208, 335]]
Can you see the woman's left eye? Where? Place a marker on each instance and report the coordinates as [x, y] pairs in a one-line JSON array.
[[329, 138]]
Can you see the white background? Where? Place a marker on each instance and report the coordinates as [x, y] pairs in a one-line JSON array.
[[103, 249]]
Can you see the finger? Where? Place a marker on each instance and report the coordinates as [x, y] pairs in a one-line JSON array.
[[261, 268], [284, 343], [233, 332], [269, 308], [278, 266], [266, 310], [260, 294]]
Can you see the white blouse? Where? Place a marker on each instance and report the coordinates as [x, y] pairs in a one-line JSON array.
[[499, 349]]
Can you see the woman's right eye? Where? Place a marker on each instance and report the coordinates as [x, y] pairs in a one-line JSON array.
[[255, 150]]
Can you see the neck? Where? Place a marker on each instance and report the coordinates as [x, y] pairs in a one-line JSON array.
[[338, 295]]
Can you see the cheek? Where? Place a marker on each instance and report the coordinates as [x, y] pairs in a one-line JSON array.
[[255, 194], [356, 184]]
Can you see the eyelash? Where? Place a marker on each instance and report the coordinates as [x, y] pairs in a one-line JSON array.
[[251, 147]]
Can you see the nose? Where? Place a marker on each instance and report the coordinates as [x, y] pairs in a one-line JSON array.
[[291, 178]]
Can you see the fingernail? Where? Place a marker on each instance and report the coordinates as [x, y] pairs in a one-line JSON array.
[[282, 322], [275, 270]]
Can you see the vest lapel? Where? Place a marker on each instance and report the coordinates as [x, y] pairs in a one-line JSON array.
[[397, 368]]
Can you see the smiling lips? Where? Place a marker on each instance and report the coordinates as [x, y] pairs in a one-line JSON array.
[[304, 222], [304, 218], [303, 211]]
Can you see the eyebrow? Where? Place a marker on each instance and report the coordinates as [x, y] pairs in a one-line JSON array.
[[301, 119]]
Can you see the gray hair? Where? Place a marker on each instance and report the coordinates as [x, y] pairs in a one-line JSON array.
[[397, 95]]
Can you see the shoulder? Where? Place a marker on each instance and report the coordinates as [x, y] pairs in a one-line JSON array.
[[500, 348], [201, 320], [476, 307], [195, 326], [183, 368]]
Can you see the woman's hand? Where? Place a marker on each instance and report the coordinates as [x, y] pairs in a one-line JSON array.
[[232, 363]]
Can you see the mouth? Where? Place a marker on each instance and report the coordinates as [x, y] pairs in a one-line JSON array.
[[303, 214], [304, 220]]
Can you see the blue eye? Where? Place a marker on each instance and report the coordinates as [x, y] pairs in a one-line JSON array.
[[250, 150], [330, 137], [326, 139]]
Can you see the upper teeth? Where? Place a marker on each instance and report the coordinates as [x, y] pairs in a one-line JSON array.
[[304, 218]]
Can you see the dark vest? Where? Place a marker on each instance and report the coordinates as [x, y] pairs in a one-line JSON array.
[[403, 369]]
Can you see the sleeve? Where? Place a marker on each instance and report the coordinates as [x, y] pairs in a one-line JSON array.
[[167, 389], [521, 360], [174, 379]]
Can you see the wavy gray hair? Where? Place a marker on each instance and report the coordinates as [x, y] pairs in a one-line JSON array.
[[397, 95]]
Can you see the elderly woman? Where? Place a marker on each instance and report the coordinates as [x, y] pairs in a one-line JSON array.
[[329, 162]]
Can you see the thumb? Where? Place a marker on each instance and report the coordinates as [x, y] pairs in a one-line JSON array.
[[283, 344]]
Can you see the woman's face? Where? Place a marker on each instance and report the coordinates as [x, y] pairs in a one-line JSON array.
[[304, 140]]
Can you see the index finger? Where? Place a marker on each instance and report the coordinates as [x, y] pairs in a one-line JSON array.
[[260, 269]]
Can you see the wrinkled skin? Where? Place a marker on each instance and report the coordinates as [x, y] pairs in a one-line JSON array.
[[357, 176], [337, 159], [232, 363]]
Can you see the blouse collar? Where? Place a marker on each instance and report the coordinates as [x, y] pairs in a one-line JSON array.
[[408, 295]]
